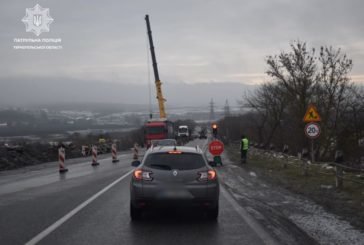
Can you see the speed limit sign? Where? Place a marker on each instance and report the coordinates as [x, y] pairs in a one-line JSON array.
[[312, 130]]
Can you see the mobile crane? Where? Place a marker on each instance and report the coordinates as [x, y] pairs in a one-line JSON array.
[[158, 83], [156, 129]]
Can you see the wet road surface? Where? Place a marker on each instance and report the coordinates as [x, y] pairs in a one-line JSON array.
[[90, 205]]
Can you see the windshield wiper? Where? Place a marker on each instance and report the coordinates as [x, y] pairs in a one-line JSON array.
[[161, 166]]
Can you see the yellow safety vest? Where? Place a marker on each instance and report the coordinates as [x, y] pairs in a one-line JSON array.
[[244, 144]]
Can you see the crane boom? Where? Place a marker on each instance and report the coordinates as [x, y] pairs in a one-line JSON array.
[[158, 83]]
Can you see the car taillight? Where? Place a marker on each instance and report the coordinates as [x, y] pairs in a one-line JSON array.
[[175, 152], [211, 174], [140, 174], [206, 176]]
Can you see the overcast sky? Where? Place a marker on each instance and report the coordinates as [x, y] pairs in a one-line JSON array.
[[223, 41]]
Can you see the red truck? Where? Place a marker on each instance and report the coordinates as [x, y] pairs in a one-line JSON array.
[[158, 129]]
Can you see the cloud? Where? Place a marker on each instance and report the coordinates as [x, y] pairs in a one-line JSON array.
[[195, 40], [44, 91]]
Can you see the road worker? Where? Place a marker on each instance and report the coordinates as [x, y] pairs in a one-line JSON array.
[[244, 148]]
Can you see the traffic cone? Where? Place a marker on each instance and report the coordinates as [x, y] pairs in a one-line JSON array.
[[94, 156], [84, 150], [114, 153], [135, 150], [61, 160]]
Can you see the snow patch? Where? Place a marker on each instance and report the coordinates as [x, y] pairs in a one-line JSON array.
[[252, 174]]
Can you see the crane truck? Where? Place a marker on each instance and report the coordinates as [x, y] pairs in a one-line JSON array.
[[161, 128]]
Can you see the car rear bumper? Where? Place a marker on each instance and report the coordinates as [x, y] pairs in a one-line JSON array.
[[168, 203], [144, 197]]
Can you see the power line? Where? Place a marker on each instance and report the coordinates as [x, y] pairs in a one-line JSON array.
[[227, 109], [212, 110]]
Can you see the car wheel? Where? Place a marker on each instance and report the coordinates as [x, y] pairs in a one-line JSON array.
[[135, 213], [213, 213]]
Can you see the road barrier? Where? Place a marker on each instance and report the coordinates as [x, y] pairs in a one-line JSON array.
[[135, 151], [341, 171], [61, 160], [114, 153], [94, 156], [83, 150]]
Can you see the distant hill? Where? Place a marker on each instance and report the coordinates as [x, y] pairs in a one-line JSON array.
[[69, 93]]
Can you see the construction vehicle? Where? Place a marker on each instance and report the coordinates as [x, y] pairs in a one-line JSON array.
[[160, 128]]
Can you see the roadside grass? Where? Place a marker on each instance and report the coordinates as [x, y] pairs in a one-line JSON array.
[[318, 185]]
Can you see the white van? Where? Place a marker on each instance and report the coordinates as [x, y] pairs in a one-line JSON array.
[[183, 131]]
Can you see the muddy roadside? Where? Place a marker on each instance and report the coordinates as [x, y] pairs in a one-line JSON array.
[[284, 208]]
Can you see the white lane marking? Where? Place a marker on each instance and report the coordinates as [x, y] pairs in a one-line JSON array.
[[204, 148], [69, 215], [250, 221]]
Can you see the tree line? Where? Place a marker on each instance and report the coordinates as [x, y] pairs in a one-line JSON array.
[[297, 78]]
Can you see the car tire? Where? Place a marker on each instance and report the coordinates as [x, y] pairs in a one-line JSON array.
[[135, 213], [213, 213]]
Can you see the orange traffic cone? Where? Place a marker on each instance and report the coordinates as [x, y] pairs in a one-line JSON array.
[[94, 156], [114, 153], [61, 160], [135, 150]]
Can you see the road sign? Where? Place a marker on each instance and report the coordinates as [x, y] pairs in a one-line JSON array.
[[312, 130], [216, 147], [312, 114]]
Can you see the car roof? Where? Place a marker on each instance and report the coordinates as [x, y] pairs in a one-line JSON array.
[[162, 140], [184, 149], [171, 142]]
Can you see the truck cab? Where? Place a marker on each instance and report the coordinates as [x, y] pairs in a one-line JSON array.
[[183, 131], [158, 129]]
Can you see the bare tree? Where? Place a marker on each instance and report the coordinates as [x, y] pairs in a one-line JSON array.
[[295, 71], [332, 93], [295, 74], [300, 77], [269, 101], [255, 101]]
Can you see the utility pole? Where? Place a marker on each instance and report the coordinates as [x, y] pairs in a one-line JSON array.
[[226, 109], [226, 121], [212, 111]]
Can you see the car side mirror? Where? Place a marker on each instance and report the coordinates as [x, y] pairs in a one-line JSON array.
[[212, 163], [135, 163]]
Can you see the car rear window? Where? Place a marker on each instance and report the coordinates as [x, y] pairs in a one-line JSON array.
[[167, 161]]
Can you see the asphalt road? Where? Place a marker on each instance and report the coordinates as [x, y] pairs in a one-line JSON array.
[[90, 205]]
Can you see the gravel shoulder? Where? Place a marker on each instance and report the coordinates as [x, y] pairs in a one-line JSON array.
[[291, 217]]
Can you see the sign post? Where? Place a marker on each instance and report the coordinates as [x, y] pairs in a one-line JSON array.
[[216, 148], [312, 131], [312, 128]]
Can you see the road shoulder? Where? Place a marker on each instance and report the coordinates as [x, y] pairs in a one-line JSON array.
[[289, 217]]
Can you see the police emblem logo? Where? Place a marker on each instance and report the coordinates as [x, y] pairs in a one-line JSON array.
[[37, 20]]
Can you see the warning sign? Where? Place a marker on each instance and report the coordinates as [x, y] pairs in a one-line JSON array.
[[312, 114]]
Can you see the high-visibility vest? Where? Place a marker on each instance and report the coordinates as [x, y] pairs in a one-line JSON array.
[[244, 144]]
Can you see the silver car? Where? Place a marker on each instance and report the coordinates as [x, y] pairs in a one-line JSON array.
[[164, 142], [174, 176]]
